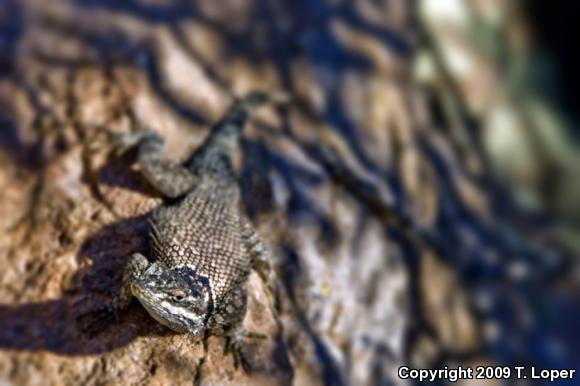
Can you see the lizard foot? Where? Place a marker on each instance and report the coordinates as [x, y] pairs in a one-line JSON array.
[[234, 345]]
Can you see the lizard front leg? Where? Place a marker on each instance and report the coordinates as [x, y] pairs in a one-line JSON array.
[[169, 178], [227, 321], [135, 266]]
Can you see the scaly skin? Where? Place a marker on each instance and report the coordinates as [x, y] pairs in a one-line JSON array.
[[203, 248]]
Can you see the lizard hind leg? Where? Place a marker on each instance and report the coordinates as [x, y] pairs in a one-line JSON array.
[[169, 178]]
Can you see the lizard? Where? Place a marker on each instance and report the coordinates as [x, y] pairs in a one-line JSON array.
[[203, 246]]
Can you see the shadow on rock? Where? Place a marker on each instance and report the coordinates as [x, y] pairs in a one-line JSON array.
[[81, 321]]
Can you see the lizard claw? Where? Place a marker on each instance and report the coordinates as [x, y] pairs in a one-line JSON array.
[[124, 142]]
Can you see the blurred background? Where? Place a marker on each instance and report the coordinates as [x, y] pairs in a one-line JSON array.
[[420, 195]]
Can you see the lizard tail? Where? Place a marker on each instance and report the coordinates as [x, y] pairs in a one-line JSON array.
[[216, 153]]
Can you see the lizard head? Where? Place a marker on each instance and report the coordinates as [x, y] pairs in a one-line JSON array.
[[177, 298]]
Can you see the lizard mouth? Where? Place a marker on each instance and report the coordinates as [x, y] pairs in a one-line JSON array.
[[175, 321], [155, 315]]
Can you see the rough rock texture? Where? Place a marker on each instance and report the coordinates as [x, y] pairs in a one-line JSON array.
[[368, 210], [71, 211]]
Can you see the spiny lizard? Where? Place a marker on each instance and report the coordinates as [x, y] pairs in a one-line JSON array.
[[203, 246]]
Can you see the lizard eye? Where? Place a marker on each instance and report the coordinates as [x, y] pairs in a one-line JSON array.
[[178, 296]]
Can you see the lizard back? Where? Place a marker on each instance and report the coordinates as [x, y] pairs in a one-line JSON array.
[[202, 231]]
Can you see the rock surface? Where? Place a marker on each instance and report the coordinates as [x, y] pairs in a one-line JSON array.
[[362, 201], [71, 211]]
